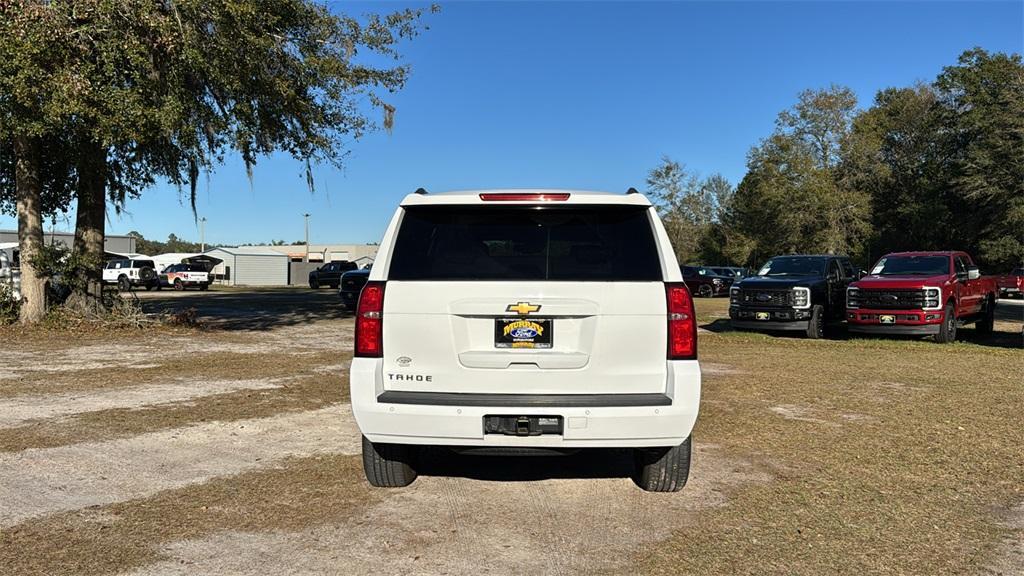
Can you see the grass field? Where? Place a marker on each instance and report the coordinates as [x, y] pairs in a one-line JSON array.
[[886, 456], [230, 449]]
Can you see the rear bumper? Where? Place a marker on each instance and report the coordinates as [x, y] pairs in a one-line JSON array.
[[598, 421]]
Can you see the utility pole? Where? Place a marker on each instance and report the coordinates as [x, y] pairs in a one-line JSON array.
[[306, 260], [202, 234]]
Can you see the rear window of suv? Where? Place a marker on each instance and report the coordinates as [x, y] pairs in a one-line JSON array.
[[597, 243]]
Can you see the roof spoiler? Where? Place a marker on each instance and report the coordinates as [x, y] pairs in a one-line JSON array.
[[631, 191], [421, 191]]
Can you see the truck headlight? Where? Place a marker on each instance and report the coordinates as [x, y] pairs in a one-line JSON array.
[[801, 297], [852, 298], [932, 298], [734, 295]]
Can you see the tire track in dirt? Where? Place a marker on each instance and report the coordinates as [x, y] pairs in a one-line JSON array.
[[19, 409], [43, 481], [574, 522]]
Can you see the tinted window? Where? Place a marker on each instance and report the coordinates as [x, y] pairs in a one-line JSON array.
[[794, 266], [191, 268], [848, 269], [525, 243], [144, 264], [912, 266], [1017, 272]]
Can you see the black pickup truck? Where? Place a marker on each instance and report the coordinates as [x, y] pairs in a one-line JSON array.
[[330, 274], [798, 293], [351, 285]]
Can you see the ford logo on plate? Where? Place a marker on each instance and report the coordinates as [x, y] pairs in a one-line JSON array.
[[525, 332]]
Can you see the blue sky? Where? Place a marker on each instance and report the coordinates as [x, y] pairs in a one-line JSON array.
[[581, 95]]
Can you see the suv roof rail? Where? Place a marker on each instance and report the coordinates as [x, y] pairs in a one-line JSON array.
[[421, 191], [632, 191]]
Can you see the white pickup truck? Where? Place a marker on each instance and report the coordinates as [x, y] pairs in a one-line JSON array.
[[10, 274]]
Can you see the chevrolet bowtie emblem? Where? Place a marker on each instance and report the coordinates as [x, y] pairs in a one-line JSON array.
[[522, 308]]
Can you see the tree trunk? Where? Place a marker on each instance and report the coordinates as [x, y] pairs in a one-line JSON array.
[[90, 224], [30, 226]]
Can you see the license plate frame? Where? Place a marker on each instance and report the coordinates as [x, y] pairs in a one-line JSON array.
[[524, 333]]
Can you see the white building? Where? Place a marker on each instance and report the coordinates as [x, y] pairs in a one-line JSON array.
[[250, 266], [327, 252]]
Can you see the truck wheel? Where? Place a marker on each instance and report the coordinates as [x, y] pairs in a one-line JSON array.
[[123, 284], [705, 291], [204, 287], [816, 325], [947, 332], [663, 469], [388, 465], [988, 318], [314, 284], [178, 285]]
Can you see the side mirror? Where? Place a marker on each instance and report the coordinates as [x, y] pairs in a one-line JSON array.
[[973, 273], [861, 274]]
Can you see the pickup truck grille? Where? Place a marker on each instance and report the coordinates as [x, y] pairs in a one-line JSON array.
[[891, 299], [755, 297]]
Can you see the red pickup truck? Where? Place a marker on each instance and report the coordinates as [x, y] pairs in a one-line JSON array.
[[922, 294], [1012, 285]]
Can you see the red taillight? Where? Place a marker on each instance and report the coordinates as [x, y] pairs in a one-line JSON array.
[[525, 197], [370, 321], [682, 326]]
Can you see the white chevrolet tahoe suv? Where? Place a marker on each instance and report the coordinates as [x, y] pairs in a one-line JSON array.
[[526, 319]]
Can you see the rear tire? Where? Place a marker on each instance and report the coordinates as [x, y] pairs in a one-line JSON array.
[[816, 325], [947, 332], [663, 469], [388, 465], [123, 284], [705, 291], [315, 285], [988, 319], [178, 286], [204, 287]]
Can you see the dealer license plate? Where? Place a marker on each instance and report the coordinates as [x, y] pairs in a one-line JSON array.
[[523, 332]]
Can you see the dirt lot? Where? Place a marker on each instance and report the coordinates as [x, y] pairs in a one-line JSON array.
[[231, 449]]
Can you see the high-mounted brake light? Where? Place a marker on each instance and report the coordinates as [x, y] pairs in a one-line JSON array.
[[525, 197], [370, 321], [682, 325]]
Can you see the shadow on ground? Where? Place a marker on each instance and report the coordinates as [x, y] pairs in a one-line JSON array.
[[589, 463], [1000, 338], [257, 310]]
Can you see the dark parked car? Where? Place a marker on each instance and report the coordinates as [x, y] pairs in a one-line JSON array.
[[735, 272], [351, 284], [793, 293], [330, 274], [703, 281]]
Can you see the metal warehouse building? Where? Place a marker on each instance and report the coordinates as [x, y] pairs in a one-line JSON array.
[[250, 266], [112, 243]]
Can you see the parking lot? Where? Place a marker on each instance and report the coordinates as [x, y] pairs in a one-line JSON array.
[[229, 447]]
